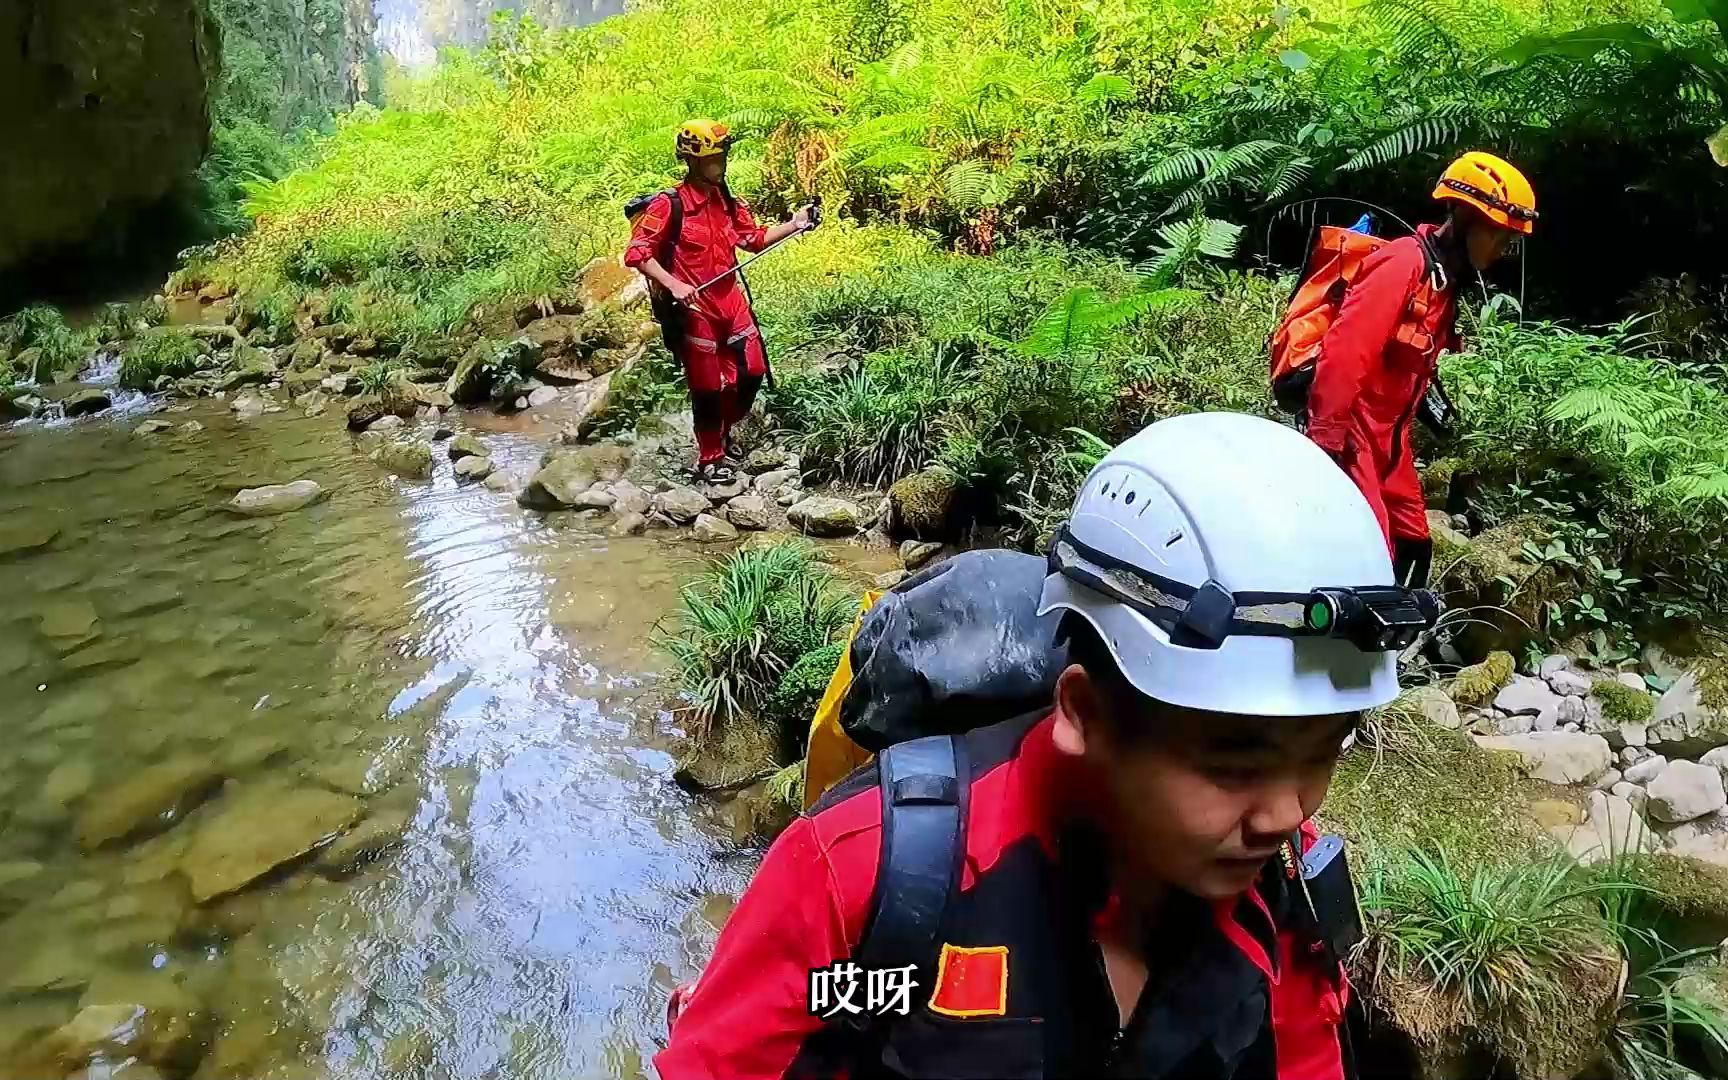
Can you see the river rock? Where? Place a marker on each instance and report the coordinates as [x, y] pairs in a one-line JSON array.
[[85, 402], [1685, 791], [915, 553], [1572, 710], [825, 515], [1558, 757], [1646, 770], [769, 483], [788, 497], [153, 798], [247, 406], [500, 481], [627, 498], [470, 469], [410, 457], [631, 524], [153, 426], [681, 504], [339, 384], [1526, 696], [386, 424], [721, 491], [67, 620], [1613, 828], [68, 782], [258, 829], [378, 834], [890, 578], [466, 445], [1631, 681], [18, 537], [125, 1031], [1683, 723], [558, 482], [275, 498], [1569, 682], [312, 403], [1553, 663], [545, 395], [710, 529], [923, 505], [190, 427], [750, 512], [595, 498], [766, 457], [1514, 724]]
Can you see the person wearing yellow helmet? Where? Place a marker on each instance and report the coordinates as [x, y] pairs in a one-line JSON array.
[[684, 237], [1378, 359]]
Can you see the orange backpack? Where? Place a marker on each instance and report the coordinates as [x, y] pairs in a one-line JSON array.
[[1334, 263]]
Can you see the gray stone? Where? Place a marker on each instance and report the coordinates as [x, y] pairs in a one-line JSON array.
[[770, 482], [710, 529], [1717, 759], [546, 395], [386, 424], [275, 498], [1572, 710], [558, 482], [190, 427], [1632, 793], [258, 829], [1527, 696], [1552, 664], [247, 406], [825, 515], [1549, 719], [312, 403], [1632, 755], [1646, 769], [338, 384], [1607, 780], [720, 492], [1632, 681], [681, 504], [1437, 705], [890, 579], [1570, 683], [472, 468], [153, 426], [750, 512], [627, 498], [1683, 724], [595, 498], [466, 445], [1686, 791], [500, 481], [1558, 757], [915, 553], [788, 498], [149, 799], [1520, 724], [85, 402], [1613, 827], [631, 524]]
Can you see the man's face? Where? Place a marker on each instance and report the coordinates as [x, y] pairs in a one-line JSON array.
[[711, 169], [1196, 800], [1485, 242]]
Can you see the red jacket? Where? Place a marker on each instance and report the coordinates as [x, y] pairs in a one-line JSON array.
[[707, 241], [1237, 993], [1379, 355]]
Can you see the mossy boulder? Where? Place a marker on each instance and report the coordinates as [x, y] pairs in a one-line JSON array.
[[1506, 593], [407, 457], [1477, 684], [1621, 704], [1691, 717], [925, 505], [800, 689]]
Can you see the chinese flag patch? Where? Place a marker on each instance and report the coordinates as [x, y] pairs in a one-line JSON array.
[[971, 982]]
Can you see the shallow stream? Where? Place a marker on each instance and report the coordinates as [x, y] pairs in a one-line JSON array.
[[188, 696]]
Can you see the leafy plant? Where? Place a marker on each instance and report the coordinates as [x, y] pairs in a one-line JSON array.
[[158, 354]]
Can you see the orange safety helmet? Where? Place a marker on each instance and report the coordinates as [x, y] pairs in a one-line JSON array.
[[1492, 186], [703, 138]]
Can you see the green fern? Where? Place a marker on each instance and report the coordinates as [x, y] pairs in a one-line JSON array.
[[967, 183], [1104, 88]]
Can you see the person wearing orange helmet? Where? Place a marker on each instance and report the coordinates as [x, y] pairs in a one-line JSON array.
[[1378, 359], [685, 237]]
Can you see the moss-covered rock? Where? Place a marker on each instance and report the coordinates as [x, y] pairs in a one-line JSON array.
[[1477, 684], [924, 506], [1621, 704], [409, 457], [1505, 592]]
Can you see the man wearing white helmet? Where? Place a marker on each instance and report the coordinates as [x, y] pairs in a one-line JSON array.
[[1133, 888]]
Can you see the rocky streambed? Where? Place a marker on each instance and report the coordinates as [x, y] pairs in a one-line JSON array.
[[317, 770]]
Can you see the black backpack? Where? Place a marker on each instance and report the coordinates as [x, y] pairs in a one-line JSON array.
[[955, 647]]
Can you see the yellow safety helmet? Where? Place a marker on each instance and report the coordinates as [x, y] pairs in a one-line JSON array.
[[703, 138], [1492, 186]]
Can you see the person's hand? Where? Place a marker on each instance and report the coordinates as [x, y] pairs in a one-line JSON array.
[[681, 291], [805, 218]]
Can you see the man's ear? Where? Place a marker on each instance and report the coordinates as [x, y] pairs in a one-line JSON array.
[[1079, 710]]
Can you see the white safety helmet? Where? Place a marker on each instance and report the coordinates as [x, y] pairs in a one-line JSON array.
[[1229, 565]]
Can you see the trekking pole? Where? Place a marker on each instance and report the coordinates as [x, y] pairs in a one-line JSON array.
[[815, 220]]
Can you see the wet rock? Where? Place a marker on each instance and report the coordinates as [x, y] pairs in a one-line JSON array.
[[915, 553], [153, 426], [466, 445], [632, 524], [123, 1031], [86, 402], [1526, 696], [609, 460], [250, 751], [410, 458], [1646, 770], [771, 482], [1685, 791], [67, 620], [387, 424], [361, 773], [190, 427], [471, 469], [247, 406], [720, 492], [750, 512], [627, 498], [681, 504], [258, 829], [431, 397], [68, 782], [891, 578], [501, 481], [545, 395], [1558, 757], [19, 537], [312, 403], [377, 835], [275, 498], [339, 384], [595, 498], [825, 515], [558, 482], [924, 505], [710, 529], [149, 800]]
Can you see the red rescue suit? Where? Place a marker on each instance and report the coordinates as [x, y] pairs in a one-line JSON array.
[[719, 343], [1375, 364], [1237, 991]]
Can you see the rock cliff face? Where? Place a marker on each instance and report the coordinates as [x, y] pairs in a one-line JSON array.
[[107, 108]]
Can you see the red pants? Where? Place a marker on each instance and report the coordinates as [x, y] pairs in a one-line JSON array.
[[721, 350], [1393, 489]]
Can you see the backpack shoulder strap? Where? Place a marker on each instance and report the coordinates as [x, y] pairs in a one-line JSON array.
[[674, 227], [925, 785]]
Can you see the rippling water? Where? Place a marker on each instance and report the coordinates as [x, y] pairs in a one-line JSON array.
[[185, 693]]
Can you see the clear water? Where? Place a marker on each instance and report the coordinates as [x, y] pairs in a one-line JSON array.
[[415, 651]]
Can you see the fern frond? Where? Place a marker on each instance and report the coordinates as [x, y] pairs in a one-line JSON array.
[[1062, 325], [1104, 88], [967, 183], [1288, 176], [1180, 243], [1428, 133], [1188, 164]]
